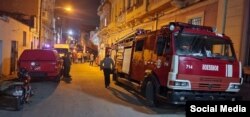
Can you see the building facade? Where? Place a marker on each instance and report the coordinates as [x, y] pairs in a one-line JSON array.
[[47, 34], [43, 10], [121, 18], [14, 38], [16, 35]]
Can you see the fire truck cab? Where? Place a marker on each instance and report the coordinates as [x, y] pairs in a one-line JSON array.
[[180, 62]]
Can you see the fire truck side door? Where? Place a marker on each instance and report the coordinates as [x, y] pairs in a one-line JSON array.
[[137, 65], [164, 56]]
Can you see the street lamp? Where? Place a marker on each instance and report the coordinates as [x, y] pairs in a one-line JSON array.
[[68, 8], [40, 23]]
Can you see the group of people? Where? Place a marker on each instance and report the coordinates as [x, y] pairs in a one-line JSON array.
[[107, 65], [80, 57]]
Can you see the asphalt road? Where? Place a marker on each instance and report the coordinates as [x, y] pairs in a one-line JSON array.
[[85, 96]]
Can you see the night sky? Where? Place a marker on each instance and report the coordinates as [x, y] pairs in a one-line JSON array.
[[85, 12]]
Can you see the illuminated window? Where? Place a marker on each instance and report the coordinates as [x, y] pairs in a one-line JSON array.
[[196, 19], [105, 22], [139, 45]]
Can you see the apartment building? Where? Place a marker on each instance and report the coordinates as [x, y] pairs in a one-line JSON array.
[[43, 10], [121, 18]]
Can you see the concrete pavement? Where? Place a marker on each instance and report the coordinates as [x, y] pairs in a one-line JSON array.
[[86, 96]]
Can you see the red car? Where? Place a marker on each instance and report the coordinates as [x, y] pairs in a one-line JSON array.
[[43, 64]]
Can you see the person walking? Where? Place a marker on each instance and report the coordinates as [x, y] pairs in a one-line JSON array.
[[79, 57], [107, 65], [91, 59]]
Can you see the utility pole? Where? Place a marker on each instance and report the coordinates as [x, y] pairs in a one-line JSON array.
[[40, 23]]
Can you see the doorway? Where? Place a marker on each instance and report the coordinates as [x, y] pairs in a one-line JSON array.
[[13, 58]]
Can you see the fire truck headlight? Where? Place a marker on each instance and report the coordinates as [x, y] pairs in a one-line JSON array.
[[179, 83], [171, 27], [235, 86]]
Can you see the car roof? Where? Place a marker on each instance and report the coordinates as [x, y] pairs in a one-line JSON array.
[[38, 54]]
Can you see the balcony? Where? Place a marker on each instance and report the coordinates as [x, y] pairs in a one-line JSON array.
[[136, 12]]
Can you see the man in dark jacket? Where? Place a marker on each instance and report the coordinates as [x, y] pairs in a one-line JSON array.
[[107, 65], [66, 65]]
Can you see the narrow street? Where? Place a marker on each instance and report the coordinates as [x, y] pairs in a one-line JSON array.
[[86, 96]]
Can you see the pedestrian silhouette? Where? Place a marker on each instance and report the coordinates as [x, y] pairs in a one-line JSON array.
[[107, 65], [66, 65], [91, 59]]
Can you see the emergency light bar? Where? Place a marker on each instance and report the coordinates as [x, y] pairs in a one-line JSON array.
[[173, 25], [142, 31]]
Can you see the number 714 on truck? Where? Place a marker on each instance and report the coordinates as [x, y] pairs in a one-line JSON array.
[[178, 63]]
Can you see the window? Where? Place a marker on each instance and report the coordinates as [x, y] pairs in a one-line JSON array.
[[24, 38], [105, 22], [139, 3], [129, 4], [168, 42], [161, 41], [204, 46], [139, 45], [196, 19], [149, 43]]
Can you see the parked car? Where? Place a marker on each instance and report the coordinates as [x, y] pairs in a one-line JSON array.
[[40, 63], [62, 49]]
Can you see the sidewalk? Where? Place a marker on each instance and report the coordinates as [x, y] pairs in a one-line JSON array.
[[3, 77]]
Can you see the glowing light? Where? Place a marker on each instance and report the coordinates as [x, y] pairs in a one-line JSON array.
[[70, 32]]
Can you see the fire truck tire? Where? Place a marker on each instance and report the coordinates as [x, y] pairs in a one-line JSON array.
[[150, 94]]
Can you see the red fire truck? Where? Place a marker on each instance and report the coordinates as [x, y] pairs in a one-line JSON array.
[[178, 63]]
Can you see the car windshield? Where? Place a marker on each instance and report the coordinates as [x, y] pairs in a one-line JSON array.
[[203, 46], [61, 51]]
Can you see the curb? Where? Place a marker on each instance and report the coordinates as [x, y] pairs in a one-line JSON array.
[[3, 77]]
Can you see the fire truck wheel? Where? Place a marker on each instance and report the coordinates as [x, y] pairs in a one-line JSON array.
[[150, 94]]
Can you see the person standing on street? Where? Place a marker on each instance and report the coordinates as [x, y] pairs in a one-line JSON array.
[[79, 57], [107, 65], [91, 59], [66, 65]]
